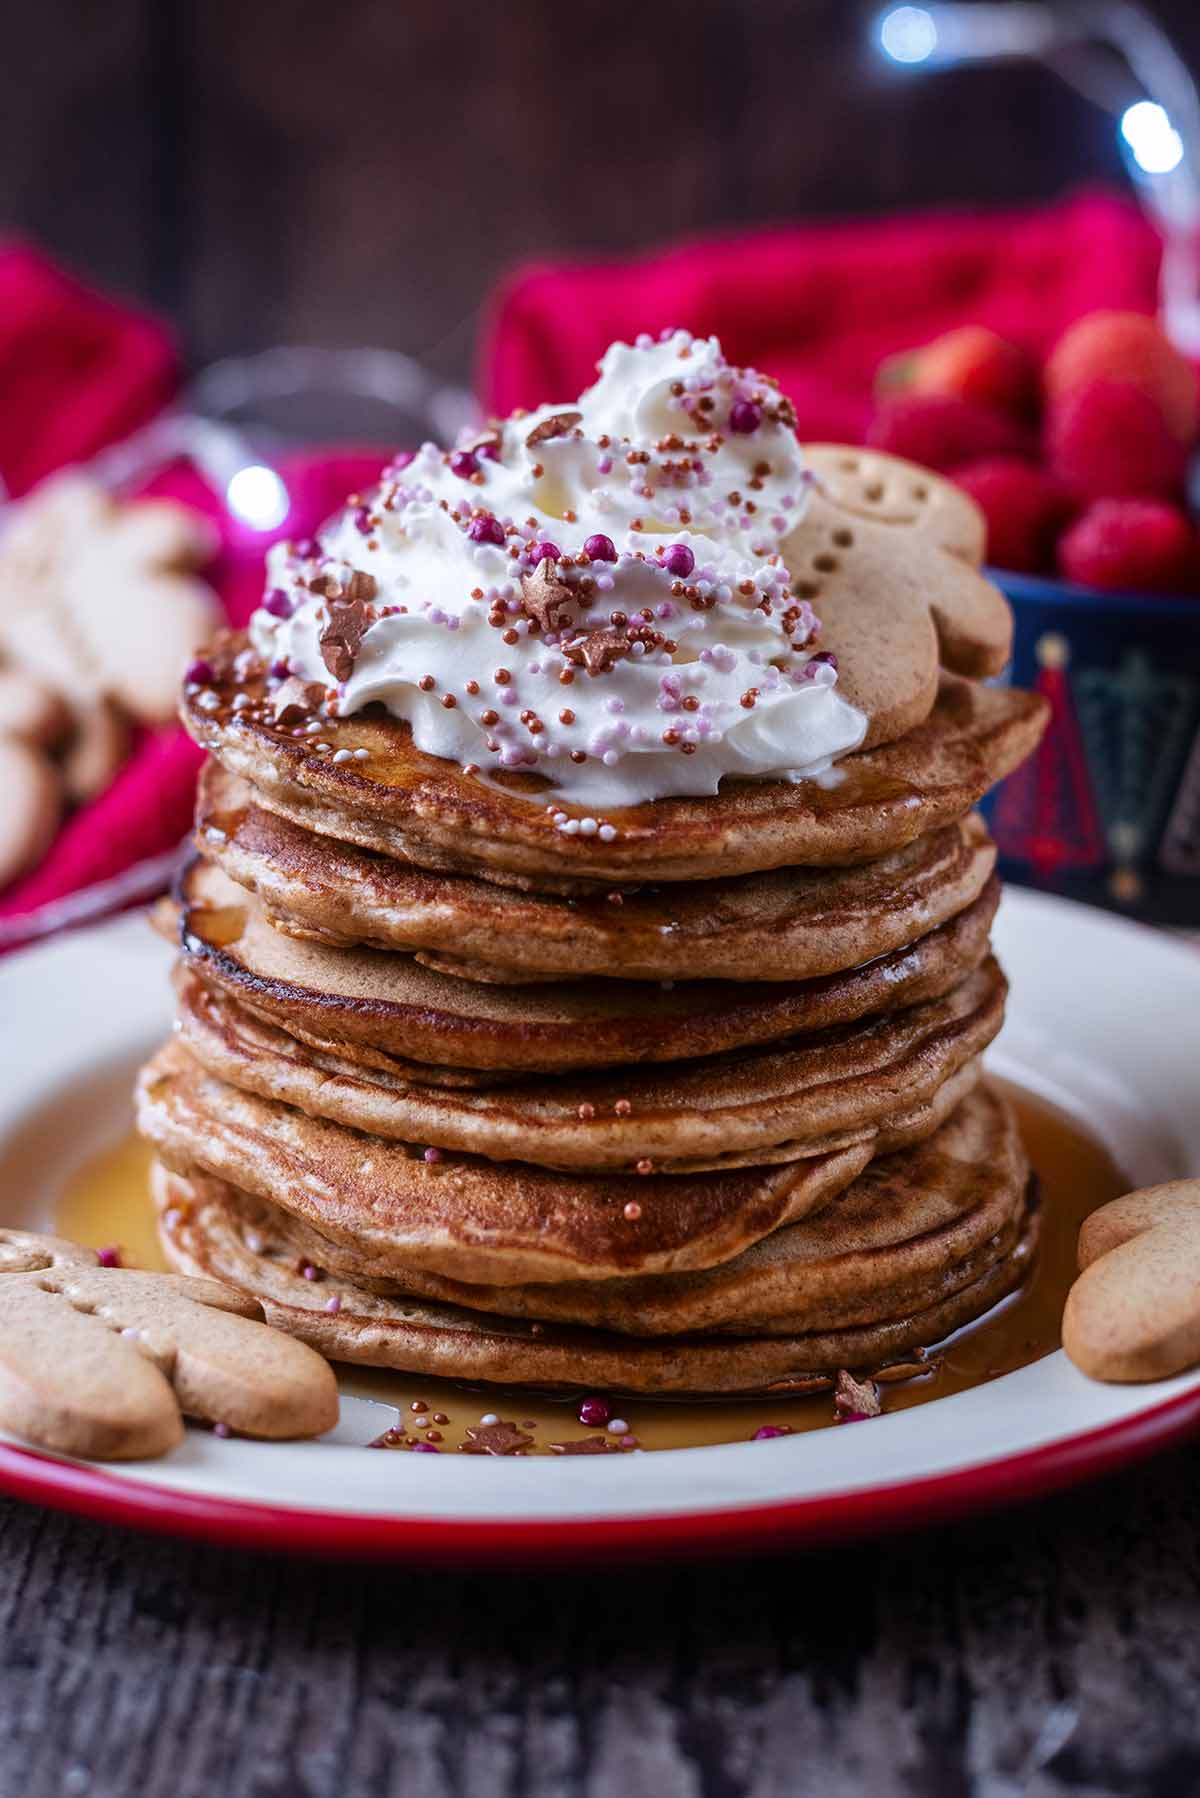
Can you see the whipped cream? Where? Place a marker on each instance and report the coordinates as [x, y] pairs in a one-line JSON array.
[[594, 592]]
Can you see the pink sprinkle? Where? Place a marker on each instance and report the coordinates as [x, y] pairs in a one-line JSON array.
[[768, 1431], [333, 1305], [109, 1257], [306, 548], [199, 673], [425, 1448], [600, 548], [278, 604], [679, 561], [433, 1154], [222, 1430], [594, 1412], [464, 464], [486, 529], [544, 552], [744, 417]]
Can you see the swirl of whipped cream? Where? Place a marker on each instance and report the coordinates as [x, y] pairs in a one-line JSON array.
[[593, 592]]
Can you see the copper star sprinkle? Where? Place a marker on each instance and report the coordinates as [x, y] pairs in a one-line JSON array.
[[598, 651], [855, 1399], [556, 426], [295, 699], [545, 599], [502, 1438], [347, 624]]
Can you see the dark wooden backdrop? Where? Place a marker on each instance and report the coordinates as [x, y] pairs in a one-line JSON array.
[[271, 170]]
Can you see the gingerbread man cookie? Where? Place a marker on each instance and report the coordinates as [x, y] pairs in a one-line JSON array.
[[105, 1362], [1134, 1311], [888, 555]]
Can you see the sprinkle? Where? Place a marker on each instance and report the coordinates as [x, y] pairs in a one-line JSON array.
[[200, 673], [433, 1155], [333, 1305], [222, 1430], [464, 464], [632, 1211], [618, 1427], [342, 755], [418, 1405], [744, 417], [768, 1431], [486, 529], [679, 561], [544, 552], [489, 1417], [109, 1257], [599, 547], [594, 1412]]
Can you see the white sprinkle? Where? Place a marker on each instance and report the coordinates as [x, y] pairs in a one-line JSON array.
[[618, 1427], [489, 1417], [343, 755], [588, 826], [607, 832], [362, 755], [208, 700]]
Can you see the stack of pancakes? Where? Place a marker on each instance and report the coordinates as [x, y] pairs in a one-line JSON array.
[[692, 1108]]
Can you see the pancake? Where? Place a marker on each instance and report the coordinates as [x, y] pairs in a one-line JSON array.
[[384, 1009], [790, 924], [913, 1226], [775, 1103], [422, 809], [200, 1236], [461, 1216]]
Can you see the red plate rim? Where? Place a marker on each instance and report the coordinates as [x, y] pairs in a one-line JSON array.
[[795, 1523]]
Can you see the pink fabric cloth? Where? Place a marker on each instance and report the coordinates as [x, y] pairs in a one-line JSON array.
[[77, 371], [820, 305]]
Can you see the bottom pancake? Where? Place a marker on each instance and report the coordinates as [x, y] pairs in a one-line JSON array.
[[919, 1249], [419, 1336]]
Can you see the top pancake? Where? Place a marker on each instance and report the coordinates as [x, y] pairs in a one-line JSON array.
[[422, 809]]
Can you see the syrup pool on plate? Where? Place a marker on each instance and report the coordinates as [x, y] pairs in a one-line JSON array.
[[106, 1204]]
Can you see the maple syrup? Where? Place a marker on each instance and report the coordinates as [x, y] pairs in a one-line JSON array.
[[107, 1204]]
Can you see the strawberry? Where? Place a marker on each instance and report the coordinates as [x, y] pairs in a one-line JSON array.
[[1025, 509], [1110, 439], [941, 431], [972, 364], [1138, 545], [1125, 346]]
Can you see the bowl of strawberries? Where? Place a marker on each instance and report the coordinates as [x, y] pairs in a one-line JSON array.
[[1084, 467]]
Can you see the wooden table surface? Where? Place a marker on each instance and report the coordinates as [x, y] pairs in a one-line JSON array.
[[1049, 1651]]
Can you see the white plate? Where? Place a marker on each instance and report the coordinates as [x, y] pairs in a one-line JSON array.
[[1104, 1020]]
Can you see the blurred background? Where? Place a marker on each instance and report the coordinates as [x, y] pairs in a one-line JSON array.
[[415, 214], [267, 171]]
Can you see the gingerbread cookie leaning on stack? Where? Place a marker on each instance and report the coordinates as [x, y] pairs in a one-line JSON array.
[[584, 963]]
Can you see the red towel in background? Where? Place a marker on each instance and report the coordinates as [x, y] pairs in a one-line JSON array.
[[77, 371], [819, 306]]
